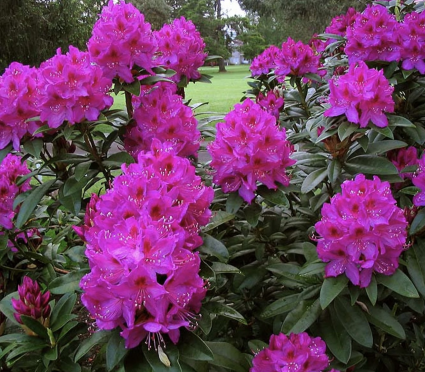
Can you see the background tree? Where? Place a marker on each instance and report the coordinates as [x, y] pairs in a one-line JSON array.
[[156, 12], [32, 30]]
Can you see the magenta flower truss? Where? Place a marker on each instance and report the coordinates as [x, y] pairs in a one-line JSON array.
[[140, 236], [419, 181], [19, 100], [296, 59], [296, 353], [265, 62], [161, 114], [272, 102], [340, 23], [412, 35], [249, 147], [361, 231], [32, 302], [10, 169], [180, 48], [403, 158], [121, 39], [373, 36], [75, 89], [362, 94]]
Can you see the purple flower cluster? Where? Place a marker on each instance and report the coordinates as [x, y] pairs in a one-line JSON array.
[[249, 147], [31, 302], [272, 102], [403, 158], [19, 100], [10, 169], [162, 114], [296, 353], [361, 231], [140, 236], [121, 39], [412, 38], [74, 88], [362, 94], [373, 36], [419, 181], [340, 23], [180, 48], [265, 62]]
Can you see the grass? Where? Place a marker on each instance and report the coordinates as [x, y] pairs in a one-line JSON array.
[[225, 91]]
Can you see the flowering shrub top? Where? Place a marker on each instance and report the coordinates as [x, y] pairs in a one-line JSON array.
[[140, 235], [272, 102], [161, 114], [361, 231], [265, 62], [19, 101], [296, 353], [10, 169], [180, 48], [250, 148], [362, 94], [412, 38], [74, 89], [121, 39]]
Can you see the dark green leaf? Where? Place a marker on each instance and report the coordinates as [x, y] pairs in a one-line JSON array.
[[385, 321], [215, 248], [387, 132], [68, 283], [205, 322], [6, 306], [372, 291], [219, 218], [354, 321], [118, 159], [81, 170], [302, 317], [71, 202], [172, 354], [280, 306], [133, 88], [385, 146], [334, 170], [222, 268], [63, 307], [34, 147], [35, 326], [31, 202], [224, 310], [314, 179], [331, 288], [192, 347], [233, 203], [66, 364], [370, 164], [399, 121], [252, 213], [418, 223], [72, 186], [227, 356], [416, 265], [150, 80], [400, 283], [23, 349], [86, 345], [346, 129], [115, 350], [275, 196]]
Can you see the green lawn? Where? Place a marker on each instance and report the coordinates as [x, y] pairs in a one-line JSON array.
[[226, 89]]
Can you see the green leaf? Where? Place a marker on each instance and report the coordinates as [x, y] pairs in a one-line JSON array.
[[280, 306], [133, 88], [314, 179], [346, 129], [354, 321], [31, 202], [35, 326], [336, 337], [25, 348], [222, 268], [62, 308], [418, 223], [372, 291], [68, 283], [274, 196], [71, 202], [192, 347], [399, 282], [224, 310], [331, 288], [115, 350], [227, 356], [215, 248], [302, 317], [34, 147], [172, 353], [399, 121], [81, 170], [6, 306], [334, 170], [219, 218], [150, 80], [118, 159], [233, 203], [385, 321], [387, 132], [205, 322], [252, 213], [256, 346], [370, 164], [72, 186], [415, 258], [385, 146], [86, 345], [66, 364]]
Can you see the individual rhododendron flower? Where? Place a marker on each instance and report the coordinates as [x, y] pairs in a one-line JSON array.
[[362, 94], [296, 59], [295, 353], [412, 35], [121, 39], [75, 89], [180, 48], [19, 101], [10, 169], [272, 102], [140, 238], [161, 114], [32, 302], [361, 231], [403, 158], [419, 181], [373, 36], [265, 62], [249, 147], [340, 23]]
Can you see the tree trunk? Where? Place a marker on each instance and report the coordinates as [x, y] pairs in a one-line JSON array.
[[221, 65]]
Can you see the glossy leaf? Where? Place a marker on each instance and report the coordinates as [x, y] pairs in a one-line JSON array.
[[385, 321], [302, 317], [331, 288], [399, 282]]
